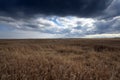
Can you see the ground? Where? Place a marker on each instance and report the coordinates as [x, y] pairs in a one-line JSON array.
[[60, 59]]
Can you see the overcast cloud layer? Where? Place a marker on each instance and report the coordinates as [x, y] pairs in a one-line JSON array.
[[59, 18]]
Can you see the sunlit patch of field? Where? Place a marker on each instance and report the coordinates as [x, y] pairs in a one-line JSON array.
[[60, 59]]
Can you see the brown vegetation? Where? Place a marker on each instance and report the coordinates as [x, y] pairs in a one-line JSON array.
[[60, 59]]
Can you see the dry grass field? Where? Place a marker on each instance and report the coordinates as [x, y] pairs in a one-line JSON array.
[[60, 59]]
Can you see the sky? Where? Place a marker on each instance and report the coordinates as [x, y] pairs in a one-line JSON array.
[[59, 19]]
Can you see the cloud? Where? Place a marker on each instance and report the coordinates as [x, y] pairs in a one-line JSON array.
[[65, 26], [113, 10], [27, 8], [59, 25], [60, 18], [108, 26]]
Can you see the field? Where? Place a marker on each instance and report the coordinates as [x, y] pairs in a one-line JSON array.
[[60, 59]]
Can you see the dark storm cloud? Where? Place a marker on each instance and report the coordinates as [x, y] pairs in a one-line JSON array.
[[82, 8], [69, 18], [114, 9]]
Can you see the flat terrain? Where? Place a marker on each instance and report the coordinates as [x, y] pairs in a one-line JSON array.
[[60, 59]]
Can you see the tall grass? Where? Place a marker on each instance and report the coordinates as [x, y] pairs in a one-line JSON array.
[[68, 59]]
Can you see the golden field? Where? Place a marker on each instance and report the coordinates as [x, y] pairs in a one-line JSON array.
[[60, 59]]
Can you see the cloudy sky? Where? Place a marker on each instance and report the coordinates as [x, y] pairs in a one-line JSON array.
[[59, 18]]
